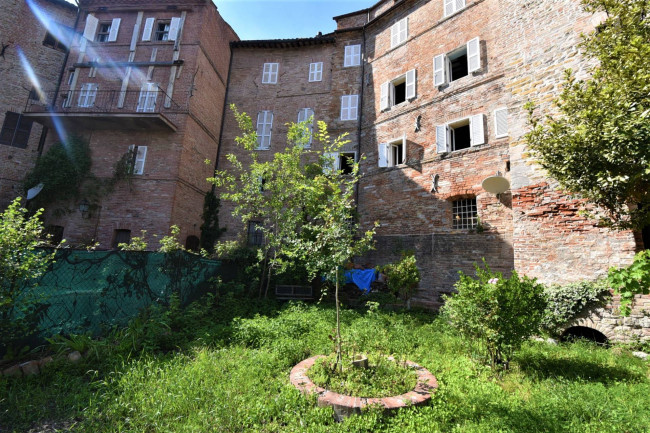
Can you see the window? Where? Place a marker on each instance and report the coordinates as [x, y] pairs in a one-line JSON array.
[[162, 31], [397, 91], [270, 73], [501, 122], [148, 97], [464, 214], [352, 55], [15, 130], [60, 41], [457, 64], [55, 234], [346, 161], [453, 6], [316, 71], [349, 107], [392, 153], [255, 234], [103, 32], [87, 95], [121, 236], [304, 115], [264, 127], [138, 156], [192, 243], [460, 134], [399, 32]]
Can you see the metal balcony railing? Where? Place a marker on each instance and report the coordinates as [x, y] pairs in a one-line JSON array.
[[108, 101]]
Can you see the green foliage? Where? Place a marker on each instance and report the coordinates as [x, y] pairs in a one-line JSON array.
[[61, 170], [599, 144], [564, 303], [210, 230], [123, 169], [382, 378], [170, 243], [402, 277], [21, 264], [499, 312], [632, 280], [137, 243]]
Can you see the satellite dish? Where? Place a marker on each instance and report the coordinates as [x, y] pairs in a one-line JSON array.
[[34, 191], [496, 184]]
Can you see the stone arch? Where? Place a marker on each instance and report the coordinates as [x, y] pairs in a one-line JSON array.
[[588, 322]]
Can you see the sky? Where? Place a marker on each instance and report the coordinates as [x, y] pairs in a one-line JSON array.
[[283, 19]]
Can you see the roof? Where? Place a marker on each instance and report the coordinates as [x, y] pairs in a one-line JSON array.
[[285, 43], [63, 3]]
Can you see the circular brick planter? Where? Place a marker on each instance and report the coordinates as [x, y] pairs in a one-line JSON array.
[[345, 405]]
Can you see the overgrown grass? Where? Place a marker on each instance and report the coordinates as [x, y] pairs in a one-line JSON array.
[[220, 367]]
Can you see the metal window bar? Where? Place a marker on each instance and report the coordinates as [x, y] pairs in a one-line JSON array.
[[464, 213]]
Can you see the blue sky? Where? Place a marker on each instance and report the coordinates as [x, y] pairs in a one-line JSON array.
[[281, 19]]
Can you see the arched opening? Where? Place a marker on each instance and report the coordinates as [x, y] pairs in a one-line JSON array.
[[192, 243], [583, 332]]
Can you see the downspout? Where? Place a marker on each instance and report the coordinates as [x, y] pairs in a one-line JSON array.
[[363, 75], [223, 114]]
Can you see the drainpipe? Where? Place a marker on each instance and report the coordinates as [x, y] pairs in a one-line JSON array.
[[223, 114], [363, 75]]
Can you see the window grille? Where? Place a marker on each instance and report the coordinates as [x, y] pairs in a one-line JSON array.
[[464, 213]]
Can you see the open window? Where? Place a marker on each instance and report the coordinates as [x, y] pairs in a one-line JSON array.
[[162, 31], [399, 90], [392, 153], [121, 236], [460, 134], [138, 157], [346, 161], [458, 63]]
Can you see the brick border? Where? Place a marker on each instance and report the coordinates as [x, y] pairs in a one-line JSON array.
[[345, 405]]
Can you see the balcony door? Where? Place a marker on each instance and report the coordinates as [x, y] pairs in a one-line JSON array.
[[148, 97]]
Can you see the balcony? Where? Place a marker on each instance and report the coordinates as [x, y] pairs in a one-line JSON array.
[[90, 108]]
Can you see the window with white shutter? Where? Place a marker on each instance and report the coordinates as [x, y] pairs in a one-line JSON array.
[[452, 6], [115, 28], [397, 152], [460, 134], [477, 130], [399, 90], [349, 107], [439, 70], [264, 127], [382, 151], [91, 28], [87, 95], [352, 55], [457, 64], [331, 162], [148, 29], [473, 55], [501, 122], [270, 73], [304, 115], [174, 28], [139, 156], [399, 32], [442, 139], [148, 97], [103, 32], [316, 71], [410, 84]]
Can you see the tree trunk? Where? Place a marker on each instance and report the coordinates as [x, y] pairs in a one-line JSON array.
[[339, 362], [264, 265], [268, 276]]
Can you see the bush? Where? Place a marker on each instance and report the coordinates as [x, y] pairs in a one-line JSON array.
[[630, 281], [501, 313], [402, 277], [564, 303]]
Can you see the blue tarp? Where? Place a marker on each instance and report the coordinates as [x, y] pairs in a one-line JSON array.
[[362, 278]]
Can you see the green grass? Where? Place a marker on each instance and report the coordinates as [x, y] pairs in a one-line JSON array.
[[219, 367]]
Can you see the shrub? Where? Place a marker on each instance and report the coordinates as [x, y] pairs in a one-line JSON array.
[[635, 279], [402, 277], [501, 313], [564, 303]]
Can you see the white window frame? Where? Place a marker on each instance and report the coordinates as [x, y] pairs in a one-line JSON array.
[[264, 129], [315, 72], [349, 107], [148, 98], [87, 95], [501, 123], [387, 91], [399, 33], [450, 7], [139, 155], [352, 56], [102, 37], [270, 73], [444, 140], [328, 159], [399, 142], [342, 154], [303, 115]]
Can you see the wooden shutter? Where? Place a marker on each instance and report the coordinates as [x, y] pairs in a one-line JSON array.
[[442, 139], [459, 5], [148, 29], [476, 130], [394, 35], [91, 27], [382, 154], [449, 7], [473, 55], [354, 106], [349, 107], [501, 122], [410, 84], [264, 128], [174, 28], [140, 157], [404, 148], [439, 70], [274, 72], [115, 28], [384, 102], [331, 162]]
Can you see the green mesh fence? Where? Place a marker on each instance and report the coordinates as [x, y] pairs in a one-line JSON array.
[[92, 291]]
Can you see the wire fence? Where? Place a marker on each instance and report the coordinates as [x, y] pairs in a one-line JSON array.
[[91, 291]]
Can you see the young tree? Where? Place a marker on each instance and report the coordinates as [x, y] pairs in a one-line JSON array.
[[20, 266], [599, 144]]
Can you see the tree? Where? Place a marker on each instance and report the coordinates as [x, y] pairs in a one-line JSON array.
[[599, 143], [210, 230], [20, 266]]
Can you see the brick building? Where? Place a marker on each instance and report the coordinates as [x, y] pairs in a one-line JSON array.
[[146, 79], [432, 93], [29, 45]]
